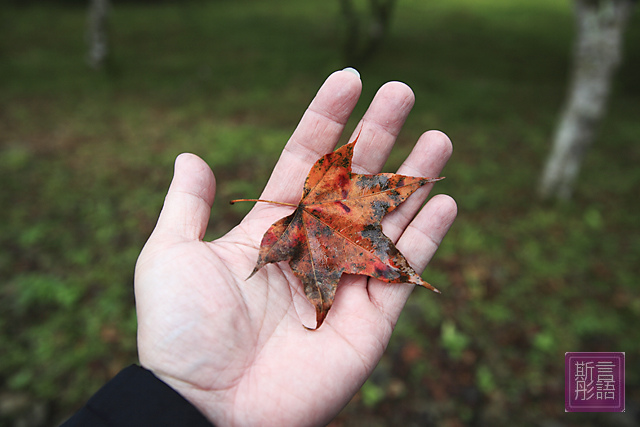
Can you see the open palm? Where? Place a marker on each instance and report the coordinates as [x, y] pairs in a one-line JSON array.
[[236, 348]]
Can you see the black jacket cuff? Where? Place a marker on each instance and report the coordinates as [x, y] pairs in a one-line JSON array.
[[136, 397]]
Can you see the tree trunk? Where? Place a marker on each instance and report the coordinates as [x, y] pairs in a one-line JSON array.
[[379, 27], [357, 50], [97, 33], [350, 16], [596, 55]]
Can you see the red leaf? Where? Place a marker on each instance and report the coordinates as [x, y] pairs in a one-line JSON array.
[[336, 229]]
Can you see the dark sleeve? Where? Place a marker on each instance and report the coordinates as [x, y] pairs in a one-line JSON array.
[[136, 397]]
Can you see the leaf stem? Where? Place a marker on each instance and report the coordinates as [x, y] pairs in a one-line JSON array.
[[260, 200]]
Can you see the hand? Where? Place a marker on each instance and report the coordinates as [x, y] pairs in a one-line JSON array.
[[236, 348]]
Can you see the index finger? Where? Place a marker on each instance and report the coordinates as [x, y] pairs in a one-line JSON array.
[[316, 135]]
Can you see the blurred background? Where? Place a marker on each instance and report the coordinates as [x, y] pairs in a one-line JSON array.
[[95, 103]]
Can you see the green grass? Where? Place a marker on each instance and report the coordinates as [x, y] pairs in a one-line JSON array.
[[85, 160]]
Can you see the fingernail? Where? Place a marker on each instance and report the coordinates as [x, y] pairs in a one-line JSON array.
[[352, 70]]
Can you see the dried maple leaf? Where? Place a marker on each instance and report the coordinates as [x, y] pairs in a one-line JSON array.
[[335, 229]]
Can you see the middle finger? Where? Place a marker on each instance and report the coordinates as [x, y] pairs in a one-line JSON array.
[[380, 127]]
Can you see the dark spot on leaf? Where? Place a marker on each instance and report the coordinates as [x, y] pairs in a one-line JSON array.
[[385, 272], [344, 207], [373, 181], [395, 196], [380, 208], [342, 182]]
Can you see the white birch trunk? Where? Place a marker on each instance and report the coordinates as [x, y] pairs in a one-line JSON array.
[[97, 33], [597, 53]]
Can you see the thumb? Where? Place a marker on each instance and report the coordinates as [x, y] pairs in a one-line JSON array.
[[187, 206]]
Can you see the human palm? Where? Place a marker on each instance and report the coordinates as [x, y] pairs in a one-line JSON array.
[[236, 348]]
